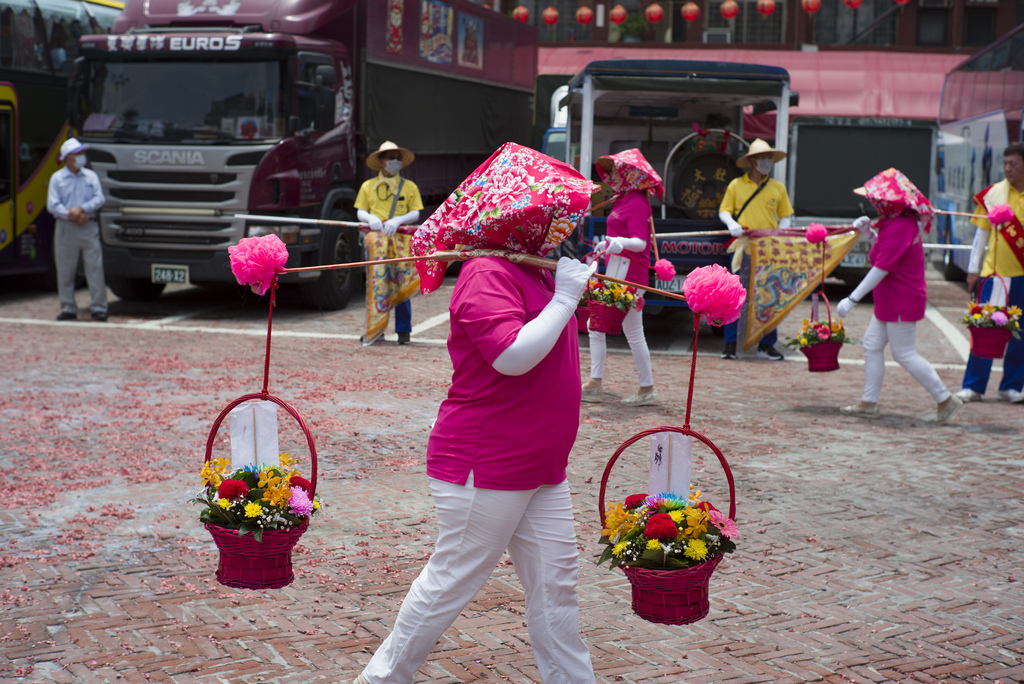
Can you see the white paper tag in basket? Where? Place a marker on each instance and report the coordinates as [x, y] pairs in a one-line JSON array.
[[671, 454], [254, 434]]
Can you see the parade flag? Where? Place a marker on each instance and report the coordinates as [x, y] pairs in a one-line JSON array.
[[387, 285], [784, 269]]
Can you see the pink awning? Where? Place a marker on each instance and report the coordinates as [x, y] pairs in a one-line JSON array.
[[898, 85]]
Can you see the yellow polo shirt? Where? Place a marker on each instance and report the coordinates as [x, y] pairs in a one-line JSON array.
[[771, 204], [376, 197], [999, 258]]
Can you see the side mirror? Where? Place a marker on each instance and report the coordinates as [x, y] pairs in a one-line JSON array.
[[293, 125], [324, 75], [324, 109]]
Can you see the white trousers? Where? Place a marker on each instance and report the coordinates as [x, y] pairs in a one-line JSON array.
[[71, 240], [475, 528], [632, 328], [900, 338]]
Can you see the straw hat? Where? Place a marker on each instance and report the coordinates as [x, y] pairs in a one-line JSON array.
[[759, 147], [374, 162]]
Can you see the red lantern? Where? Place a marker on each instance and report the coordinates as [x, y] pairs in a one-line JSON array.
[[584, 15], [690, 11], [618, 14], [550, 15], [810, 6], [852, 4], [521, 13], [766, 7], [730, 9], [654, 13]]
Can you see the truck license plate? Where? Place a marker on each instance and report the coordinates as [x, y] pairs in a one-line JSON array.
[[163, 273], [855, 260], [674, 285]]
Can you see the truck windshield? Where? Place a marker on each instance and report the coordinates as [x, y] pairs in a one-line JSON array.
[[214, 102]]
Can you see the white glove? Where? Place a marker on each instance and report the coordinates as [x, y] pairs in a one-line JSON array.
[[537, 338], [391, 227], [863, 224], [785, 222], [844, 307], [370, 219], [735, 229], [610, 246], [571, 278]]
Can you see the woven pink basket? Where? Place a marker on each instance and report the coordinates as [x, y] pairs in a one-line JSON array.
[[670, 597], [605, 317], [244, 562], [989, 343], [822, 357]]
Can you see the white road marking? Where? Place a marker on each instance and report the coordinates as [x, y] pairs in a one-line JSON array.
[[953, 333]]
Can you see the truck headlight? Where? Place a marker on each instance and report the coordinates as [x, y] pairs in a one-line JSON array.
[[288, 234]]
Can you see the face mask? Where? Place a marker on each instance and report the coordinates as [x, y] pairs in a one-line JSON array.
[[80, 160], [393, 165], [763, 166]]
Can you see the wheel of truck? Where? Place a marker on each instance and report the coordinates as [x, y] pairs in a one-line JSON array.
[[135, 289], [333, 289]]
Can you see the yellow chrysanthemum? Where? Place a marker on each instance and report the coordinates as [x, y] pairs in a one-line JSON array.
[[316, 505], [677, 516], [617, 520], [224, 503], [253, 510], [696, 549], [618, 549], [653, 545]]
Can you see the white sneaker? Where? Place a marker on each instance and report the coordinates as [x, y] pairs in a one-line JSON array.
[[637, 399], [1012, 396], [968, 395], [943, 415]]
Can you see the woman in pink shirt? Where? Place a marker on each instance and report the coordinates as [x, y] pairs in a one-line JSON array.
[[628, 253], [498, 452], [900, 293]]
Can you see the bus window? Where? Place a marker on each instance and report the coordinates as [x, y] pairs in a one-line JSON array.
[[6, 153], [21, 42]]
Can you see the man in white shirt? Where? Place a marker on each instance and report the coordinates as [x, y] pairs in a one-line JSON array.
[[74, 198]]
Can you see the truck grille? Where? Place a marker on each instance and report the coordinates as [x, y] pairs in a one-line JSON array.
[[153, 195], [172, 177], [200, 233]]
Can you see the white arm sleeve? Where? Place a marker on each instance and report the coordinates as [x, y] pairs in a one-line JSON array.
[[632, 244], [368, 218], [873, 277], [735, 229], [977, 250], [785, 222], [537, 338], [411, 217]]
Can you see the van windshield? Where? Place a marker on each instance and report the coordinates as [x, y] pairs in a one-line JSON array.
[[213, 102]]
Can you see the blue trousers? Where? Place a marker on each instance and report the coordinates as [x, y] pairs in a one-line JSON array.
[[403, 317], [978, 369], [732, 332]]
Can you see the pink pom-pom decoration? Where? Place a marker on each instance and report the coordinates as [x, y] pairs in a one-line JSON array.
[[715, 293], [255, 260], [664, 270], [816, 233], [1001, 213]]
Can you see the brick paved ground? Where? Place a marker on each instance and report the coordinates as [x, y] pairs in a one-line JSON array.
[[869, 552]]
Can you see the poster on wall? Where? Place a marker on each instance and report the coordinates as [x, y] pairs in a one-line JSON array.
[[393, 39], [436, 21], [471, 39]]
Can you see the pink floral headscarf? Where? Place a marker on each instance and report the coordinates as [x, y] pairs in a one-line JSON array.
[[518, 200], [635, 173], [890, 192]]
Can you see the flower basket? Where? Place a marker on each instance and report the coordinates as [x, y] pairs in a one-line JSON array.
[[989, 343], [267, 564], [582, 317], [248, 564], [605, 318], [670, 596], [822, 357]]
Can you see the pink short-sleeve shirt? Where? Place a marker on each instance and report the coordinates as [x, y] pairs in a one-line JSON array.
[[630, 218], [512, 432], [902, 295]]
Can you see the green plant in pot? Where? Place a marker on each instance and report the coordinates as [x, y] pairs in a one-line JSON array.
[[634, 28]]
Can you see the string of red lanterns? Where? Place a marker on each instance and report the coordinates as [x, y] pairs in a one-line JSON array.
[[584, 15], [550, 15], [730, 9], [766, 7], [690, 11]]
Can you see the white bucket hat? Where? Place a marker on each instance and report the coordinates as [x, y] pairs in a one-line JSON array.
[[759, 147], [71, 146]]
